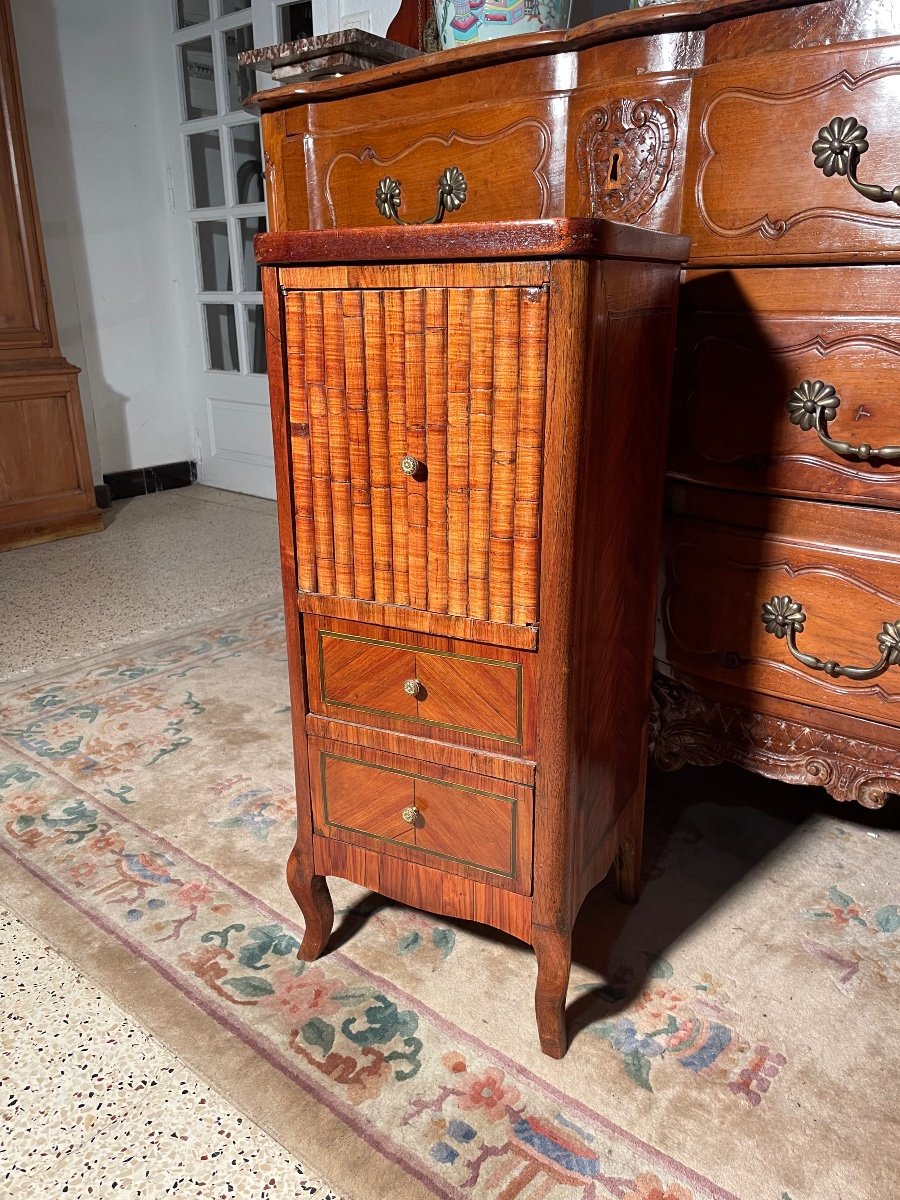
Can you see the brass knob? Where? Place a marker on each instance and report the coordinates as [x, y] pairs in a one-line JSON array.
[[412, 687], [410, 815], [409, 465]]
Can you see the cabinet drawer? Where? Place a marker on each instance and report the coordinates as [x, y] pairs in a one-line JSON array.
[[753, 342], [758, 191], [839, 565], [503, 156], [461, 822], [417, 421], [357, 676]]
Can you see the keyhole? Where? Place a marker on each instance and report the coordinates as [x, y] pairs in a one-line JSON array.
[[612, 178]]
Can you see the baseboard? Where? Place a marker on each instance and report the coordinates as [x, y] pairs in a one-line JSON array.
[[121, 485], [102, 495]]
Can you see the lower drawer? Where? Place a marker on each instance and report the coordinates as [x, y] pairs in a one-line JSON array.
[[428, 686], [460, 822], [788, 607]]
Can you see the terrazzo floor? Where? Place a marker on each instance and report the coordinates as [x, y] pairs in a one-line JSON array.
[[91, 1104], [163, 561]]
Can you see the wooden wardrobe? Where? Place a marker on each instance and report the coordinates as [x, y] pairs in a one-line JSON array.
[[46, 489]]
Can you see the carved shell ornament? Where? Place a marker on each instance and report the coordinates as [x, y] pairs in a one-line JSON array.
[[807, 399], [624, 152]]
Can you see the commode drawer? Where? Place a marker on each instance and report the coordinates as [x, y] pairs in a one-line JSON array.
[[788, 381], [807, 610], [463, 823], [430, 687], [759, 188], [502, 151]]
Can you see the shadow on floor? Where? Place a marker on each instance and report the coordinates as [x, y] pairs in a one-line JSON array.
[[746, 820]]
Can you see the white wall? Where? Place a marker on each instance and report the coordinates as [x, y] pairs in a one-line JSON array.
[[97, 80]]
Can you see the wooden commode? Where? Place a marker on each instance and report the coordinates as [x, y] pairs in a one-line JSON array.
[[466, 416]]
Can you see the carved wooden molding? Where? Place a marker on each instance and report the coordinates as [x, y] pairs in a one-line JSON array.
[[726, 656], [687, 729], [765, 224], [820, 346], [624, 153], [367, 154]]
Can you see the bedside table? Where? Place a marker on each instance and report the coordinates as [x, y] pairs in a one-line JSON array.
[[470, 432]]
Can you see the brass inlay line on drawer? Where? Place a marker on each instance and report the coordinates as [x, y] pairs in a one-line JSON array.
[[378, 837], [386, 712]]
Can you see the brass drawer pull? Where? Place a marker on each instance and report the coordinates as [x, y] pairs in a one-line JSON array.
[[813, 404], [837, 151], [451, 195], [410, 465], [412, 687], [410, 815], [784, 618]]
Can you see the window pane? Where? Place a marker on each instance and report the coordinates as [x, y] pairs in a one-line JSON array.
[[215, 260], [296, 21], [241, 80], [198, 80], [207, 180], [248, 168], [257, 339], [221, 332], [233, 6], [250, 227], [191, 12]]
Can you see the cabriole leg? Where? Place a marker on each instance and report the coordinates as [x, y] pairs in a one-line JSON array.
[[312, 895], [554, 960]]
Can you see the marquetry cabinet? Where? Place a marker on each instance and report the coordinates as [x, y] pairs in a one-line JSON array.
[[466, 417], [46, 490]]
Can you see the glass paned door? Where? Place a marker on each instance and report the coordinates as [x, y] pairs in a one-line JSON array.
[[220, 186], [223, 163], [220, 161]]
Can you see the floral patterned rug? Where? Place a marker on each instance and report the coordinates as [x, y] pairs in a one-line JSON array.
[[734, 1033]]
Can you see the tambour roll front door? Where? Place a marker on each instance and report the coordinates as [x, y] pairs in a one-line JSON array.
[[416, 425]]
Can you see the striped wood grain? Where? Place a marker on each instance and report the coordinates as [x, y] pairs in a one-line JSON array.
[[453, 376]]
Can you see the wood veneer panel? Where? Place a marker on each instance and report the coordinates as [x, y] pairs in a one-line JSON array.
[[425, 887], [46, 489], [465, 824], [479, 695], [479, 475], [562, 237], [45, 479], [26, 318], [462, 756]]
